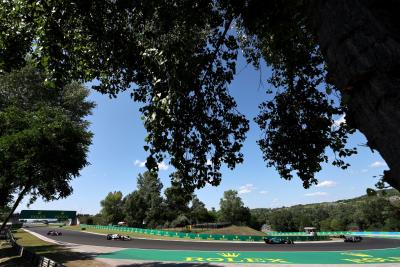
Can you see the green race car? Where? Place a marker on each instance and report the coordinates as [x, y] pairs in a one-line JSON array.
[[277, 240]]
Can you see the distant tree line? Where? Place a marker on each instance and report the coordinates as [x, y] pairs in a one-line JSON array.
[[378, 212], [146, 207]]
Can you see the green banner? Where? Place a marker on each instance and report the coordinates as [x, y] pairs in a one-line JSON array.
[[177, 234]]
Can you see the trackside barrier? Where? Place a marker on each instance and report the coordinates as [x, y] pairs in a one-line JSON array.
[[306, 234], [176, 234], [33, 258], [301, 237], [378, 233], [334, 233]]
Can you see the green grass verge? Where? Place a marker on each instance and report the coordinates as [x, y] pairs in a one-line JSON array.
[[55, 252], [33, 243], [9, 256]]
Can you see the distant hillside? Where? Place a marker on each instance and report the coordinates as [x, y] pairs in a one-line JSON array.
[[377, 212], [390, 194]]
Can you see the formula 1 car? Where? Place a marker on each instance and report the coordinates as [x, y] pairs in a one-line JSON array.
[[118, 237], [54, 233], [352, 238], [276, 240]]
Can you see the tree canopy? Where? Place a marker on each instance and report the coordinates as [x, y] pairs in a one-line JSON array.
[[232, 209], [112, 207], [44, 136], [366, 213], [180, 56]]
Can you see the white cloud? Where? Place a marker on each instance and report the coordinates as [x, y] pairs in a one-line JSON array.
[[263, 192], [364, 170], [275, 200], [246, 189], [341, 120], [139, 163], [326, 184], [163, 166], [378, 164], [316, 194], [209, 162]]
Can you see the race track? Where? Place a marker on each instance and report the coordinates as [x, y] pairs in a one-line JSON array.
[[83, 238]]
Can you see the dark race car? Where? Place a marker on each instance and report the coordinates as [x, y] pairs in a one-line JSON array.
[[54, 233], [277, 240], [352, 238], [118, 237]]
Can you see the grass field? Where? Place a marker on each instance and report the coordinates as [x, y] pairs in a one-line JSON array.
[[58, 253]]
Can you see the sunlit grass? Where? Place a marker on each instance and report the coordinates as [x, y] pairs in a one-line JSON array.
[[55, 252]]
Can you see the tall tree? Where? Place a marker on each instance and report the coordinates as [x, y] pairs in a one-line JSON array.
[[112, 207], [143, 207], [282, 220], [149, 188], [177, 202], [181, 56], [135, 209], [198, 211], [44, 137], [232, 209]]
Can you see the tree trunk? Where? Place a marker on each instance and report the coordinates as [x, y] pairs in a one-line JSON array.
[[360, 40], [16, 203]]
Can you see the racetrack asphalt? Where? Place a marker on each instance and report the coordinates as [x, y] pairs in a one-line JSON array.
[[82, 238]]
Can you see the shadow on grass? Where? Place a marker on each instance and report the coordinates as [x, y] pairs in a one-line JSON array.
[[9, 257], [169, 264], [64, 255], [13, 262]]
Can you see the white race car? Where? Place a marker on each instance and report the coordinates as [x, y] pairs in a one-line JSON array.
[[352, 239], [118, 237]]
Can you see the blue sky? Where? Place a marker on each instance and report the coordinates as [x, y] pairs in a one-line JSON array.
[[117, 157]]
